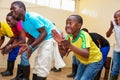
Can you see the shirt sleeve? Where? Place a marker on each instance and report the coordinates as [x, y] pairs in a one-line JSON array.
[[87, 41], [9, 33], [37, 21], [8, 30]]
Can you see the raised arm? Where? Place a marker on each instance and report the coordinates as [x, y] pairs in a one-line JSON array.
[[110, 30]]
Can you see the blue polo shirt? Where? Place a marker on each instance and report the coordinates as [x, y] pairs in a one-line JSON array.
[[34, 21]]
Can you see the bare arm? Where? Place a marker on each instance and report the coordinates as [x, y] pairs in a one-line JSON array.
[[41, 37], [110, 30], [23, 39], [2, 40], [66, 46], [82, 52], [37, 41], [4, 50], [30, 40], [10, 41], [62, 50]]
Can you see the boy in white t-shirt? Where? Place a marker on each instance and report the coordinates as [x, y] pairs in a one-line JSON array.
[[116, 53]]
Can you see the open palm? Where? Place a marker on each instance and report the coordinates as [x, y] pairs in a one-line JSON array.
[[58, 37]]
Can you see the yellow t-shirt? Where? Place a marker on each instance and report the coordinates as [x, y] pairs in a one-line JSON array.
[[84, 40], [5, 30]]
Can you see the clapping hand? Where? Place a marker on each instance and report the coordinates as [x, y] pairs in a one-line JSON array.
[[23, 48], [58, 37]]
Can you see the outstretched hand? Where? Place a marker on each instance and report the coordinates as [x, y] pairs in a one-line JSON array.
[[3, 51], [111, 24], [6, 49], [23, 48], [66, 43], [58, 37], [63, 44]]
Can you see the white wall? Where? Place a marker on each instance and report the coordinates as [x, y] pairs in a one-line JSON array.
[[97, 15]]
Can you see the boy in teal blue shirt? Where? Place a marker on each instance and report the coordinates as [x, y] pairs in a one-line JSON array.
[[40, 29]]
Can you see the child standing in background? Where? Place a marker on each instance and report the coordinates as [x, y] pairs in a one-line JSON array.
[[85, 50], [115, 26]]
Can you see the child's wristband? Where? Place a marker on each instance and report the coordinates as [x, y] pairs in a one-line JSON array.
[[31, 48]]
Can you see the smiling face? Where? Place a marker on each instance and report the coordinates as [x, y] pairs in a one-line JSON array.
[[11, 21], [72, 25], [17, 11], [117, 18]]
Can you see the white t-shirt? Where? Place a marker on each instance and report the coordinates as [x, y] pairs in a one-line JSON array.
[[117, 37]]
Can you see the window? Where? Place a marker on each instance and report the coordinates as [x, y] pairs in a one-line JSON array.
[[32, 1], [68, 5], [55, 3], [59, 4], [43, 2]]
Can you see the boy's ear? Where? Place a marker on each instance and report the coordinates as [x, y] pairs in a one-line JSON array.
[[79, 25]]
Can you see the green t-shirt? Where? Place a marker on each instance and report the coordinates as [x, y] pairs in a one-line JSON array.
[[83, 41]]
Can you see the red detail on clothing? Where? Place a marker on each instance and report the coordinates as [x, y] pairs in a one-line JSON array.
[[15, 31]]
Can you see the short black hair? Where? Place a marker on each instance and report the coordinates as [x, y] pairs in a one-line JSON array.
[[20, 4], [9, 14], [79, 18], [117, 11]]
